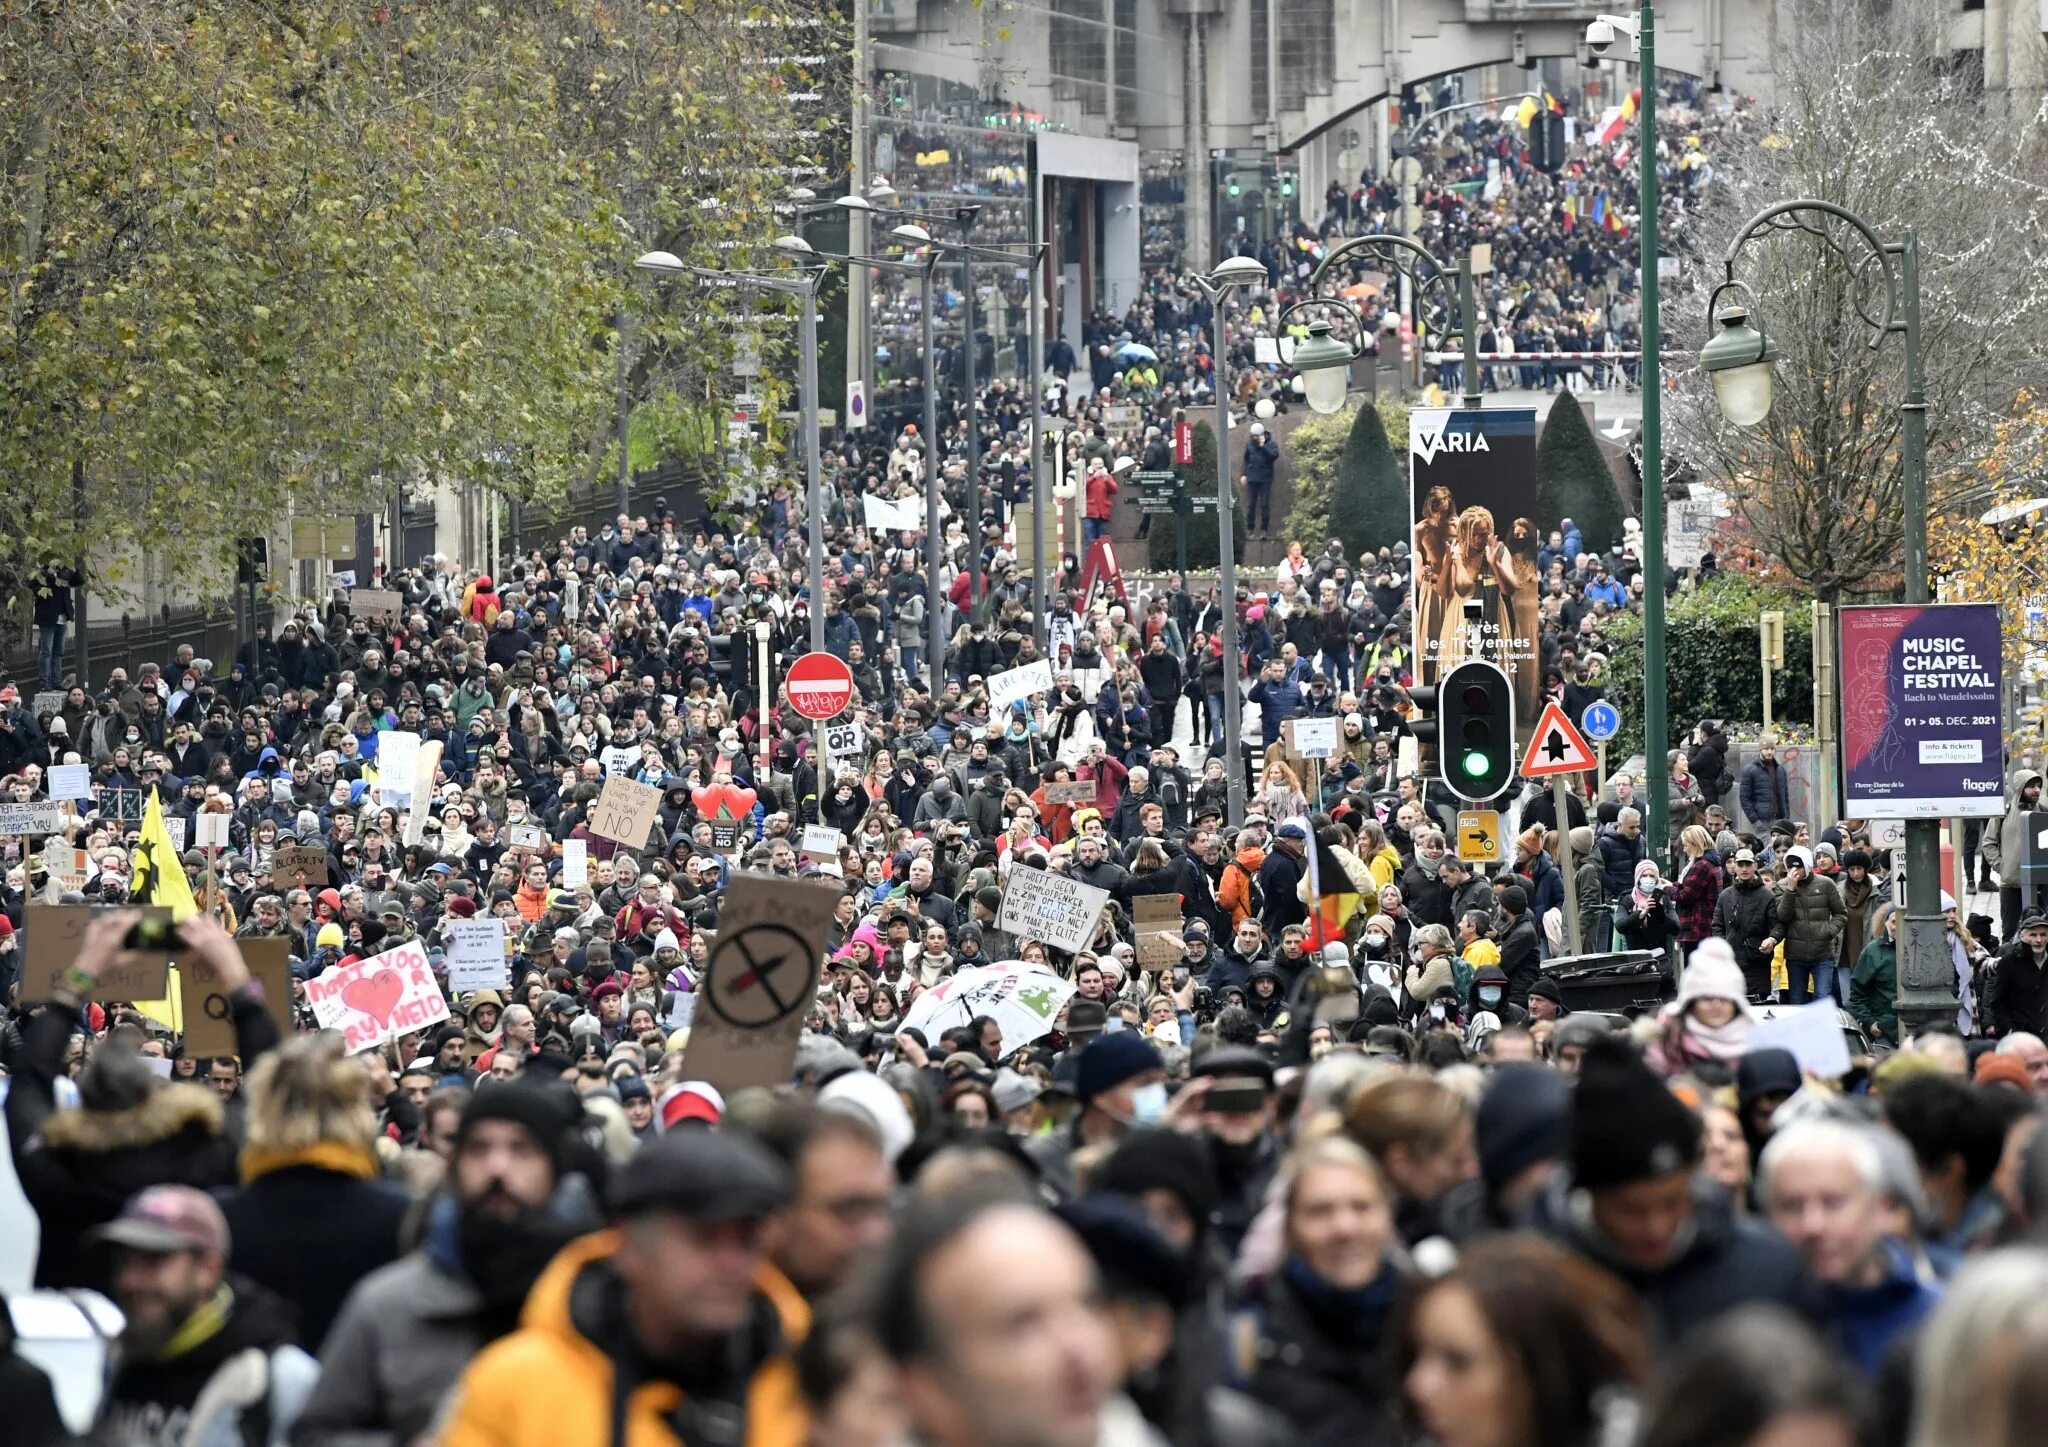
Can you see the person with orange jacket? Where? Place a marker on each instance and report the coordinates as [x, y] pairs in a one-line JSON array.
[[670, 1328], [1234, 890]]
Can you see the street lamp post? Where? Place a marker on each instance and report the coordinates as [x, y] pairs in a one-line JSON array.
[[1738, 357], [802, 284], [1322, 361], [1234, 272]]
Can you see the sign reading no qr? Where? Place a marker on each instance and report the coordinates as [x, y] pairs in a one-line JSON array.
[[1040, 905], [378, 999]]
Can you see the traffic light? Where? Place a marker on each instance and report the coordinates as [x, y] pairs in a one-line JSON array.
[[1286, 185], [1234, 186], [252, 559], [1546, 141], [1476, 731]]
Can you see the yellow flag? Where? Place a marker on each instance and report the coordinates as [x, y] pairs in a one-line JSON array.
[[160, 880]]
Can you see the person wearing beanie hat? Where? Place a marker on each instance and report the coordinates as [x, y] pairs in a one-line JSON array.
[[1521, 1133], [1634, 1203], [462, 907], [1708, 1024], [1521, 957], [1120, 1082], [1172, 1175], [1546, 1000]]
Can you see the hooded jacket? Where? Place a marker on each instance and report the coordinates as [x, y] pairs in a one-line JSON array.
[[2006, 846], [573, 1336]]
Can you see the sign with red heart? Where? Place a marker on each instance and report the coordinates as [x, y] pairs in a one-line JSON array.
[[378, 999]]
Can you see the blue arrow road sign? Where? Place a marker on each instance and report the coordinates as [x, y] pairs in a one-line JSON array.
[[1601, 721]]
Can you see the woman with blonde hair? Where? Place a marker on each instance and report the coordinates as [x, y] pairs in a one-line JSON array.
[[1479, 566], [1420, 1134], [314, 1215], [1983, 1356]]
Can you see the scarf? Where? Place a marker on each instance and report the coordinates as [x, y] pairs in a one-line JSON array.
[[1641, 900], [336, 1156], [1429, 864], [1725, 1043]]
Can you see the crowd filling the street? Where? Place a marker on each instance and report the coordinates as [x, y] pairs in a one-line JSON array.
[[526, 1013]]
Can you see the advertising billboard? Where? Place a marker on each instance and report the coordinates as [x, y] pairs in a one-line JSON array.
[[1920, 711], [1472, 500]]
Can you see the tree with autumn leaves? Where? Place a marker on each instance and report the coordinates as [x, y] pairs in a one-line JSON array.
[[263, 255], [2004, 561]]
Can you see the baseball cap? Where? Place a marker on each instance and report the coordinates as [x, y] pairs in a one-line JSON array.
[[1745, 856], [166, 1219], [691, 1100]]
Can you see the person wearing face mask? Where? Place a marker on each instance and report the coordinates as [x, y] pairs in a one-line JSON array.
[[1492, 1010], [1381, 959], [1120, 1084]]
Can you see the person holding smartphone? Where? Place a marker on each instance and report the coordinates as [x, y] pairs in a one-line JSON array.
[[1810, 916]]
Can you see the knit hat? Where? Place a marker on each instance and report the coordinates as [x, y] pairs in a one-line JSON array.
[[1713, 975], [1991, 1066], [1766, 1072], [1524, 1117], [1162, 1160], [697, 1100], [1627, 1126], [329, 937], [1110, 1060], [462, 907], [1515, 899], [1548, 989], [548, 1110]]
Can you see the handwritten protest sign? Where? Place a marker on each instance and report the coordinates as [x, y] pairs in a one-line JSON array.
[[1155, 921], [378, 999], [1015, 684], [625, 811], [760, 982], [1040, 905], [208, 1014], [476, 954], [300, 866], [70, 781], [376, 604], [55, 931], [40, 817], [575, 863]]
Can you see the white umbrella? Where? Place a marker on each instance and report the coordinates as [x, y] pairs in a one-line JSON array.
[[1022, 999]]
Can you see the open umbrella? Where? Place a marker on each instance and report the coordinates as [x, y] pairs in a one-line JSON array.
[[1136, 352], [1023, 1000]]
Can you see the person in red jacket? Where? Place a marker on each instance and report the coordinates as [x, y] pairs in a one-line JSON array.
[[1102, 490]]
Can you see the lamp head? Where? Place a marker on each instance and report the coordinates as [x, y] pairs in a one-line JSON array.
[[803, 193], [794, 246], [853, 203], [1238, 271], [666, 262], [1323, 367], [911, 234], [1738, 357], [879, 189]]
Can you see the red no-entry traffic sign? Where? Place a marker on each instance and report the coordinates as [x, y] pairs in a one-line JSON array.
[[820, 686]]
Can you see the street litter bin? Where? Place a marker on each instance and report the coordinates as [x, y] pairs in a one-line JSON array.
[[1628, 982]]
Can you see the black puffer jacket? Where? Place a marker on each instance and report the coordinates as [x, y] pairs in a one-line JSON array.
[[1317, 1356]]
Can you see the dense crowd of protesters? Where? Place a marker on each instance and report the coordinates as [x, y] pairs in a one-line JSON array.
[[1342, 1152]]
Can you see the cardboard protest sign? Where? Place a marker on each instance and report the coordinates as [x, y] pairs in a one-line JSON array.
[[527, 836], [575, 863], [209, 1017], [1153, 917], [625, 811], [299, 866], [376, 604], [43, 816], [760, 982], [378, 999], [1040, 905], [476, 954], [66, 864], [175, 826], [47, 701], [1072, 791], [53, 934], [1019, 683]]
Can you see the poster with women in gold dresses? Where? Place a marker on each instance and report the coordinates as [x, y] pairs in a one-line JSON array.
[[1472, 502]]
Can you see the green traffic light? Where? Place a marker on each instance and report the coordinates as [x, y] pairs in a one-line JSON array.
[[1476, 765]]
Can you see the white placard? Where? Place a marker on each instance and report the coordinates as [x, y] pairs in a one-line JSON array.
[[1013, 684], [1040, 905], [527, 836], [174, 825], [821, 839], [398, 754], [44, 816], [892, 514], [1813, 1033], [1315, 738], [378, 999], [70, 781], [210, 831], [575, 863], [846, 739], [476, 954]]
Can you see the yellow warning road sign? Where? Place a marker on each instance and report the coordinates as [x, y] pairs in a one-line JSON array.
[[1479, 836]]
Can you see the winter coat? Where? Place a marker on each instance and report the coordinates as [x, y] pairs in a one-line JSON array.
[[1866, 1320], [2005, 847], [199, 1397], [310, 1232], [573, 1338], [1746, 915], [1279, 877], [1811, 920], [1428, 898], [1260, 453], [1317, 1355], [1699, 891], [1619, 857], [1651, 929], [1729, 1261], [1874, 989], [2014, 1000], [1766, 794], [80, 1167], [1520, 959]]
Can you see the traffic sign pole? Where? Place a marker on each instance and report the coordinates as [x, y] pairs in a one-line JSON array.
[[1561, 801]]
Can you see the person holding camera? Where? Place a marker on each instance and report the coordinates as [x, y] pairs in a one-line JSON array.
[[1810, 916], [1648, 918]]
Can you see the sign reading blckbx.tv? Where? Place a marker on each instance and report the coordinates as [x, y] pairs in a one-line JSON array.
[[1920, 711]]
